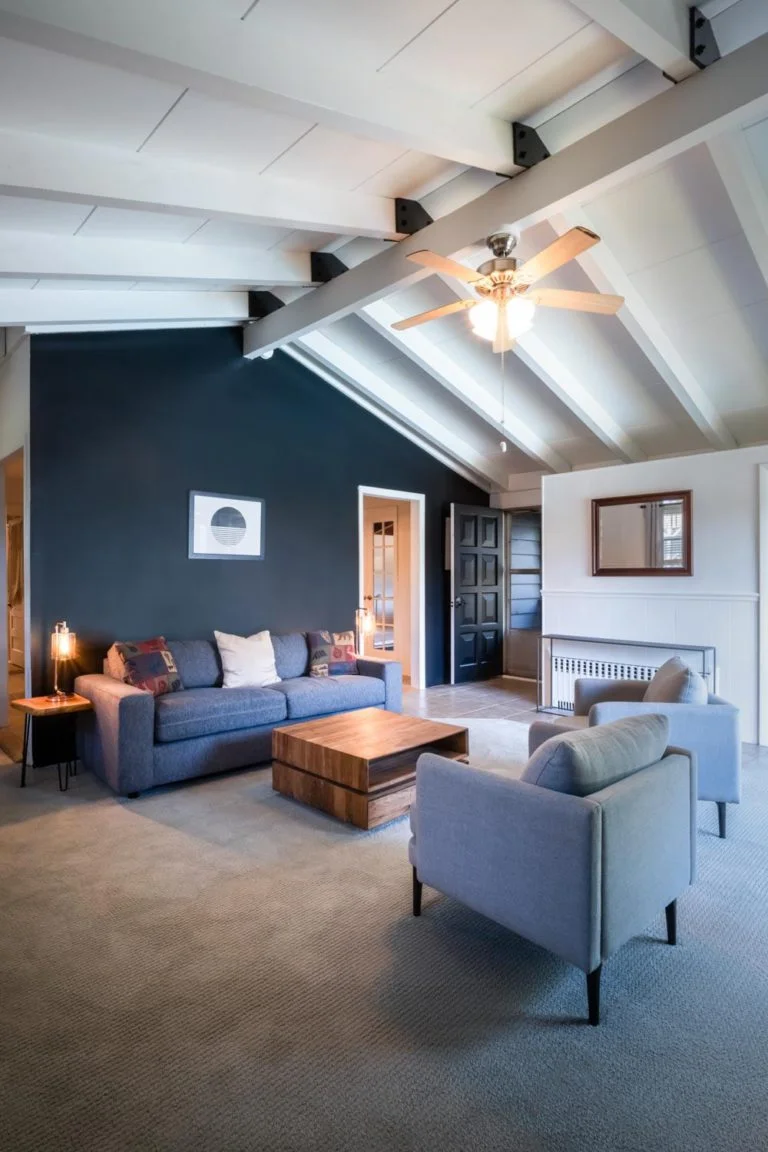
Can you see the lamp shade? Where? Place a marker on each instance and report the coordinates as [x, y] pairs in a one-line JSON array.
[[63, 642], [484, 317]]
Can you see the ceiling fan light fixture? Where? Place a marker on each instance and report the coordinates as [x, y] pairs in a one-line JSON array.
[[520, 312]]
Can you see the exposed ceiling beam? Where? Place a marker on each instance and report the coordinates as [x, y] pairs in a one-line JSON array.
[[232, 60], [558, 377], [432, 359], [32, 254], [72, 306], [655, 29], [745, 188], [701, 107], [736, 24], [31, 165], [645, 328], [331, 354]]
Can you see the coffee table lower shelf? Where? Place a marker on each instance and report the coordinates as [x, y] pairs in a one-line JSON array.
[[387, 798]]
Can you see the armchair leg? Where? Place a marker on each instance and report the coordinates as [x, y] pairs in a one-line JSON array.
[[593, 995], [417, 886], [721, 817], [671, 913]]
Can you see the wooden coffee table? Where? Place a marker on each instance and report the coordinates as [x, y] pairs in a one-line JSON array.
[[359, 766]]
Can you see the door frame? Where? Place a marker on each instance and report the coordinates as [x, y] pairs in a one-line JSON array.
[[417, 501]]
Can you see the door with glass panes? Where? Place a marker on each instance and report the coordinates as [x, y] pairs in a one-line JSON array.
[[386, 558]]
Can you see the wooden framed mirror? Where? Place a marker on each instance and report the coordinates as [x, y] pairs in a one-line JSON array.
[[647, 535]]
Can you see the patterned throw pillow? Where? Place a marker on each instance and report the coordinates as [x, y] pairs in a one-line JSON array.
[[148, 665], [332, 654]]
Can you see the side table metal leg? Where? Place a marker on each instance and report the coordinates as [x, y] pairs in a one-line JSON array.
[[63, 771], [25, 750]]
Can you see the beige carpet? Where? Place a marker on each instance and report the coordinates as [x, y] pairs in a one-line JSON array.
[[214, 967]]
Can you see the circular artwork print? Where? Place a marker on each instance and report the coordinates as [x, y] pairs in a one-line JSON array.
[[228, 526]]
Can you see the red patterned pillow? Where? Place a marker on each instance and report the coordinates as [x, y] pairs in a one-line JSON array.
[[332, 654], [149, 665]]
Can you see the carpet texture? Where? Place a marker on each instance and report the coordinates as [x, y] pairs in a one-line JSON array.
[[214, 967]]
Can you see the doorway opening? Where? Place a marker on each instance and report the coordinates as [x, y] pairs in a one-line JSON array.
[[392, 578], [13, 627], [524, 576]]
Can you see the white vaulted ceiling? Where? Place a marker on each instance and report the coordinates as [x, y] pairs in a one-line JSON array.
[[158, 161]]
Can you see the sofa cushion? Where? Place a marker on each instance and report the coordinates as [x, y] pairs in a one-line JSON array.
[[198, 663], [248, 661], [676, 683], [311, 696], [332, 654], [146, 664], [291, 655], [206, 711], [584, 762]]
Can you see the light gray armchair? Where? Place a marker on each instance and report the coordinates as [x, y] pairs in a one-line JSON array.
[[577, 856], [710, 730]]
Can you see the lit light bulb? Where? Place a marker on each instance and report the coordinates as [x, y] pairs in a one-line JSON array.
[[484, 317], [503, 445]]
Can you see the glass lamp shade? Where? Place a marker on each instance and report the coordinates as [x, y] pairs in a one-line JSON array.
[[520, 312], [63, 643]]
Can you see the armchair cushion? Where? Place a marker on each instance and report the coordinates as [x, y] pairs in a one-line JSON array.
[[584, 762], [676, 683]]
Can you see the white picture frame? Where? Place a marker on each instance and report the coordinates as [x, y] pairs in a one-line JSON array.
[[224, 527]]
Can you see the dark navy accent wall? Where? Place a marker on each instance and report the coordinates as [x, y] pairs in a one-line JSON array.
[[123, 425]]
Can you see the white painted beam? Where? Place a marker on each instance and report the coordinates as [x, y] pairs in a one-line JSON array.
[[655, 29], [646, 329], [558, 377], [734, 163], [700, 108], [432, 359], [31, 254], [331, 354], [72, 306], [31, 165], [231, 60]]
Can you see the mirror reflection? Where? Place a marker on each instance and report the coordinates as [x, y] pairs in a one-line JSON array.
[[642, 535]]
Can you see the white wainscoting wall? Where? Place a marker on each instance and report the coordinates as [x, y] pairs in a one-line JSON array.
[[719, 604]]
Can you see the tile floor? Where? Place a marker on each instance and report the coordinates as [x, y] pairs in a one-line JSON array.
[[505, 698]]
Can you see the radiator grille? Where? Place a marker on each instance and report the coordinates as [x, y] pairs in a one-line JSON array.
[[566, 670]]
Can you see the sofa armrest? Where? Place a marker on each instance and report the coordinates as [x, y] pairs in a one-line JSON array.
[[118, 737], [525, 856], [391, 672], [709, 730], [593, 691]]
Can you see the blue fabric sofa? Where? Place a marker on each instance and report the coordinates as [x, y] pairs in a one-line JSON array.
[[134, 741]]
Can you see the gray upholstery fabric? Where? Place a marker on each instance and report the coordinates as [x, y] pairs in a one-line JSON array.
[[206, 711], [542, 730], [676, 683], [291, 655], [581, 763], [198, 663], [649, 845], [589, 691], [391, 672], [525, 856], [308, 696], [206, 755], [115, 740]]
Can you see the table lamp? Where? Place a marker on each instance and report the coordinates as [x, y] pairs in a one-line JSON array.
[[63, 647]]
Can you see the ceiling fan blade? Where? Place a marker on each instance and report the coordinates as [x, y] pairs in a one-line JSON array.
[[442, 264], [566, 247], [433, 314], [503, 341], [599, 302]]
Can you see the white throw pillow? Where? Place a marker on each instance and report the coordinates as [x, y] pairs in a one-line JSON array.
[[247, 661]]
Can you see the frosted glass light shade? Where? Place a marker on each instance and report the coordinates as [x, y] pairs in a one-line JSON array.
[[520, 312], [63, 643]]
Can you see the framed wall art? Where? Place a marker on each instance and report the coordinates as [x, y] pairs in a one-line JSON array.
[[225, 527]]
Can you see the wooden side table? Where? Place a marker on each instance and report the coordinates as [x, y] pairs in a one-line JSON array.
[[35, 708]]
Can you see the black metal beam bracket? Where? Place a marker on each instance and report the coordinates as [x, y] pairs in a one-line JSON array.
[[703, 48], [527, 146], [410, 217]]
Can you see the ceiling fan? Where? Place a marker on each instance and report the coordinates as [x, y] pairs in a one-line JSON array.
[[508, 304]]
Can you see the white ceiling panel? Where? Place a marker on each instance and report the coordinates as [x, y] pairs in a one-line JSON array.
[[75, 284], [216, 132], [55, 95], [236, 233], [298, 241], [681, 206], [23, 214], [16, 282], [478, 45], [132, 224], [547, 79], [413, 174], [757, 140], [335, 158], [704, 282]]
